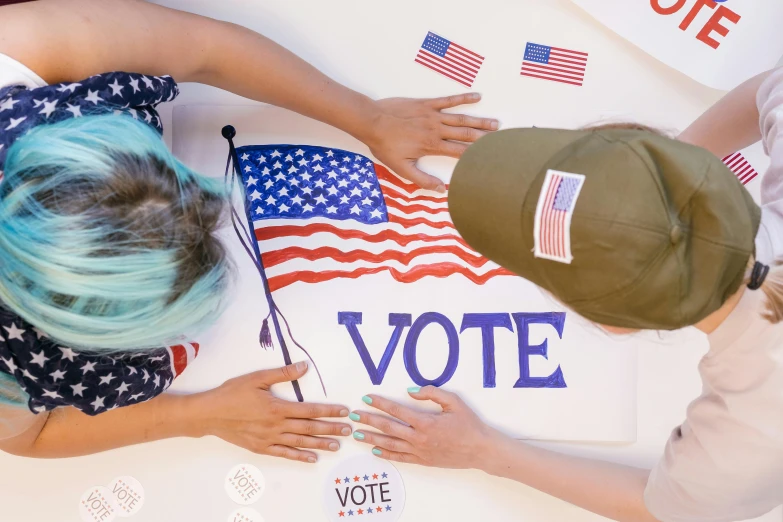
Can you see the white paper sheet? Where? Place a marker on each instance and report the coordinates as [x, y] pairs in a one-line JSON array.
[[598, 402], [718, 44]]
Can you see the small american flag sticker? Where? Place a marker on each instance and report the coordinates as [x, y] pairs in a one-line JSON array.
[[741, 168], [554, 63], [554, 211], [449, 59]]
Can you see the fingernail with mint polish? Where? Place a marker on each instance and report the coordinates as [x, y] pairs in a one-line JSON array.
[[367, 400], [376, 451], [414, 389], [354, 417], [358, 435]]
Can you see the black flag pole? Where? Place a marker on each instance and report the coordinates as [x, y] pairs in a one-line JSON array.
[[229, 132]]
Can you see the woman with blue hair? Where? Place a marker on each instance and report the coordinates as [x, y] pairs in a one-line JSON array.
[[108, 246]]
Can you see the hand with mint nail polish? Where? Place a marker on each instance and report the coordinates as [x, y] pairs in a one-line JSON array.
[[453, 438]]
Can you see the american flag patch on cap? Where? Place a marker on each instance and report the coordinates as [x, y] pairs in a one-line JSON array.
[[552, 229]]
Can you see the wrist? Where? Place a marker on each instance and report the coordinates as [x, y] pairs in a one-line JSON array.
[[190, 412], [492, 448], [368, 119], [493, 453]]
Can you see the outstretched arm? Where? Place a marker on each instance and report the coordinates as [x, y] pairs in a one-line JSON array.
[[731, 124], [68, 40], [242, 411]]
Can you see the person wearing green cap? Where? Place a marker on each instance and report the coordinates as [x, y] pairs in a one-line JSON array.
[[633, 230]]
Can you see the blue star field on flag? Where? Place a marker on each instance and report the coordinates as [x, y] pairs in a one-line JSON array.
[[303, 182]]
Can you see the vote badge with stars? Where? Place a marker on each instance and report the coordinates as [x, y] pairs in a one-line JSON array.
[[245, 484], [364, 488]]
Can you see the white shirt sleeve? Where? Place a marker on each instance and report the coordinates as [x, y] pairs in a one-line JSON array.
[[725, 462], [708, 473], [769, 101], [15, 73]]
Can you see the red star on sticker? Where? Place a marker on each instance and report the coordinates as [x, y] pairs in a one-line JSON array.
[[356, 479], [361, 512], [378, 509], [342, 514], [375, 476], [337, 481]]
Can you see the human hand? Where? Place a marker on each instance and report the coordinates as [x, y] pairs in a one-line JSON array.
[[244, 412], [407, 129], [453, 438]]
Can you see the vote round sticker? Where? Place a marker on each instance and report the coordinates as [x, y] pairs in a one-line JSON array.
[[244, 484], [364, 485], [128, 495], [245, 515], [97, 505]]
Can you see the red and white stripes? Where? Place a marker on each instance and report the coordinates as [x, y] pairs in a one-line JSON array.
[[740, 167]]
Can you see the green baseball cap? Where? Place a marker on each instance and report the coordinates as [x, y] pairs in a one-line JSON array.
[[625, 227]]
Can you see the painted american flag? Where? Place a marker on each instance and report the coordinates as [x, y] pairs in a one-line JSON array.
[[554, 63], [449, 59], [555, 208], [358, 219], [740, 166]]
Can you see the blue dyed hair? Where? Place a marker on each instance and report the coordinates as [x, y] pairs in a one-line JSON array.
[[107, 241]]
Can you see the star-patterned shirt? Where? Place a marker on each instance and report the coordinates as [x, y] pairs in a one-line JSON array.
[[135, 95], [51, 374], [54, 375]]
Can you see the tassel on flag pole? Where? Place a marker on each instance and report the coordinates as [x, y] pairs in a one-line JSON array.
[[265, 337]]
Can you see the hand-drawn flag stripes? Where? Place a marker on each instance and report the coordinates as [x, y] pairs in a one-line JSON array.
[[554, 63], [359, 219], [449, 59], [740, 167]]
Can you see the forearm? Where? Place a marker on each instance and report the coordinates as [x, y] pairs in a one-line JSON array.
[[255, 67], [731, 124], [610, 490], [67, 432]]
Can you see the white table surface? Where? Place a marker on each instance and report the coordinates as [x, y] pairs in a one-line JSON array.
[[370, 47]]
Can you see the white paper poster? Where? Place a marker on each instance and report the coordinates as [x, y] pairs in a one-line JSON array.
[[720, 44], [387, 297]]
